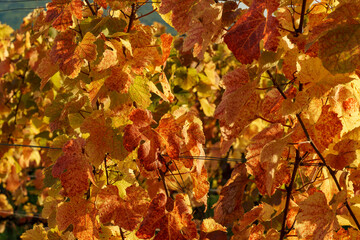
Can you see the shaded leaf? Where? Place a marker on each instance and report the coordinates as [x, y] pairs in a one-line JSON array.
[[229, 206]]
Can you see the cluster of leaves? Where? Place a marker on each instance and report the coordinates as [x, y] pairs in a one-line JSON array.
[[126, 111]]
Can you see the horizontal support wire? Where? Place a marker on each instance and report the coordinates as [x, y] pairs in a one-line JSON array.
[[24, 145]]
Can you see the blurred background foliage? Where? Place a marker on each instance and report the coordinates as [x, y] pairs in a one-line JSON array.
[[13, 12]]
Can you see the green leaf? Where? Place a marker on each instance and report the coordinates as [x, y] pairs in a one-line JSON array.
[[140, 93], [339, 49]]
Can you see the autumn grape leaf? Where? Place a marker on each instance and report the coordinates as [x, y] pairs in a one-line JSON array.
[[229, 206], [170, 131], [13, 180], [338, 48], [46, 70], [166, 41], [119, 80], [346, 154], [344, 101], [211, 230], [140, 93], [181, 13], [176, 224], [155, 213], [201, 184], [127, 213], [60, 12], [103, 138], [271, 107], [5, 206], [81, 214], [69, 55], [240, 94], [323, 132], [141, 133], [315, 218], [269, 171], [316, 79], [243, 39], [37, 232], [74, 168], [270, 160]]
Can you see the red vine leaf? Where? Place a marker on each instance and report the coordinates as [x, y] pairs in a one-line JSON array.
[[153, 217], [69, 55], [244, 37]]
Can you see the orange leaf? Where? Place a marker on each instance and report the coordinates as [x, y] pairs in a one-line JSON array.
[[315, 218], [46, 70], [240, 94], [211, 230], [73, 168], [70, 56], [82, 215], [268, 175], [173, 225], [60, 12], [166, 41], [127, 213], [229, 206], [119, 80], [102, 140], [170, 131], [153, 216], [201, 184], [346, 154], [140, 130]]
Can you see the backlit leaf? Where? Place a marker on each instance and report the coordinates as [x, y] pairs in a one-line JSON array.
[[315, 218]]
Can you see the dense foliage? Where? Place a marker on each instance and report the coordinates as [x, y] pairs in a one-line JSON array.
[[111, 129]]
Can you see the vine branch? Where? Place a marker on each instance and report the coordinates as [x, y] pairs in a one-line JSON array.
[[288, 193], [89, 6], [302, 16]]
